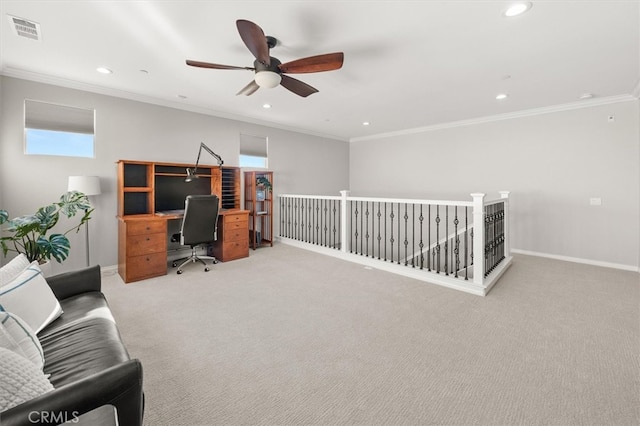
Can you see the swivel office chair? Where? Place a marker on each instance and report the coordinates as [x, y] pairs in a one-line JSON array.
[[199, 227]]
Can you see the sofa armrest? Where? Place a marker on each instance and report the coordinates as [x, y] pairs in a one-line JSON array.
[[120, 386], [76, 282]]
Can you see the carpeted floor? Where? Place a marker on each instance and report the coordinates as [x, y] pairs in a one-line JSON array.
[[291, 337]]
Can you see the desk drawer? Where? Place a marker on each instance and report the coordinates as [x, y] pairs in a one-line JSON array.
[[235, 234], [145, 244], [235, 226], [146, 227], [145, 266], [231, 218], [235, 249]]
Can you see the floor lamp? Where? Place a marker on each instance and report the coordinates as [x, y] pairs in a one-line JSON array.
[[88, 185]]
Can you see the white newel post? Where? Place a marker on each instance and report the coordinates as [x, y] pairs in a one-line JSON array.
[[507, 245], [478, 238], [344, 220]]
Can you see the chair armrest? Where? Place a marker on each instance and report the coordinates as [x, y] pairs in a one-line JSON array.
[[120, 386], [72, 283]]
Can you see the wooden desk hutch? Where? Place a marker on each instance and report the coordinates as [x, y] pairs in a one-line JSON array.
[[148, 195]]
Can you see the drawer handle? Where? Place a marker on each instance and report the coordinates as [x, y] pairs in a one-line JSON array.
[[148, 238]]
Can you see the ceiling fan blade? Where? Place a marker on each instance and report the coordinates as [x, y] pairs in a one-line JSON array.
[[326, 62], [216, 66], [249, 89], [297, 86], [255, 40]]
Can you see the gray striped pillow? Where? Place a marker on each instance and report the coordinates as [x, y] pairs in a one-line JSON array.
[[17, 336], [29, 296]]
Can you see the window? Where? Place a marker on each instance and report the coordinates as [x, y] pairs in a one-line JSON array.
[[253, 151], [52, 129]]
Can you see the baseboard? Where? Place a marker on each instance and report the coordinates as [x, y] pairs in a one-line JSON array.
[[109, 270], [578, 260]]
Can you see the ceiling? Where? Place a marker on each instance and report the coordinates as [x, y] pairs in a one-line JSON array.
[[408, 64]]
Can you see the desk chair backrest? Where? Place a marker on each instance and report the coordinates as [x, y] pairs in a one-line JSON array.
[[200, 221]]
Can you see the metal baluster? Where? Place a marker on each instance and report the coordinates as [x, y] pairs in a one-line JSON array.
[[466, 245], [406, 240], [457, 247], [421, 245], [379, 237], [446, 240], [413, 235], [391, 240], [356, 220], [316, 221], [472, 254], [333, 224], [429, 237], [367, 230], [351, 216], [324, 225], [294, 218], [385, 232], [398, 261], [437, 250]]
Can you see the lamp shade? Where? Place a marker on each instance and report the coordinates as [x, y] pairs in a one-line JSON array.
[[88, 185]]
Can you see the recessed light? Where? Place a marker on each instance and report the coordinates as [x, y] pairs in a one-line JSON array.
[[144, 71], [365, 123], [518, 9], [103, 70], [266, 106], [502, 96], [586, 96], [182, 96]]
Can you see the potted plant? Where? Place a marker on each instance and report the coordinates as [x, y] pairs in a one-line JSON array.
[[28, 234], [263, 181]]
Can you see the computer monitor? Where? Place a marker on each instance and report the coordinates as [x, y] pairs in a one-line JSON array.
[[171, 191]]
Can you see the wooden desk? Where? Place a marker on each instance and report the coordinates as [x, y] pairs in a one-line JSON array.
[[142, 242]]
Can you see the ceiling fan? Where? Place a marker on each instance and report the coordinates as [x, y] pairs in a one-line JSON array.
[[269, 71]]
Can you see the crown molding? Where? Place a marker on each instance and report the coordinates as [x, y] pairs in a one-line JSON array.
[[507, 116], [71, 84]]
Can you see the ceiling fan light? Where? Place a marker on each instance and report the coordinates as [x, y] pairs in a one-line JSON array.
[[267, 79]]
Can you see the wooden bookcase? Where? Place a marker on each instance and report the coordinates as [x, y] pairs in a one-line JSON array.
[[258, 200]]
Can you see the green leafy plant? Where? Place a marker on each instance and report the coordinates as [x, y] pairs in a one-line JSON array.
[[262, 180], [28, 234]]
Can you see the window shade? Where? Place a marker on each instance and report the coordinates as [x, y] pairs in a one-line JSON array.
[[253, 145], [46, 116]]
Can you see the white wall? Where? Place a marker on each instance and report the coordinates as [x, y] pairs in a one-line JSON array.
[[553, 163], [138, 131]]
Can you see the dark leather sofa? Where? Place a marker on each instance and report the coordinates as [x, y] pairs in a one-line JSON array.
[[89, 365]]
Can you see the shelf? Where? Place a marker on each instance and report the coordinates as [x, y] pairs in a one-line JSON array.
[[258, 201], [136, 189]]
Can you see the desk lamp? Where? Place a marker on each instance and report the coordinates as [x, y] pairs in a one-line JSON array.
[[88, 185], [191, 173]]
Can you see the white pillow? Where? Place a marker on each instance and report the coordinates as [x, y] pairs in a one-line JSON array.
[[12, 269], [30, 297], [21, 380], [17, 336]]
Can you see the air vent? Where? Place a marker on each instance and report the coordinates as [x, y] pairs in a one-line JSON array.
[[24, 28]]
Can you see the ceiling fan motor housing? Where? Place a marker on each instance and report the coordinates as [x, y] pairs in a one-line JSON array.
[[274, 66]]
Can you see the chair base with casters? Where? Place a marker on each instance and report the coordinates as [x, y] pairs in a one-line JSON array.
[[191, 259], [199, 227]]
